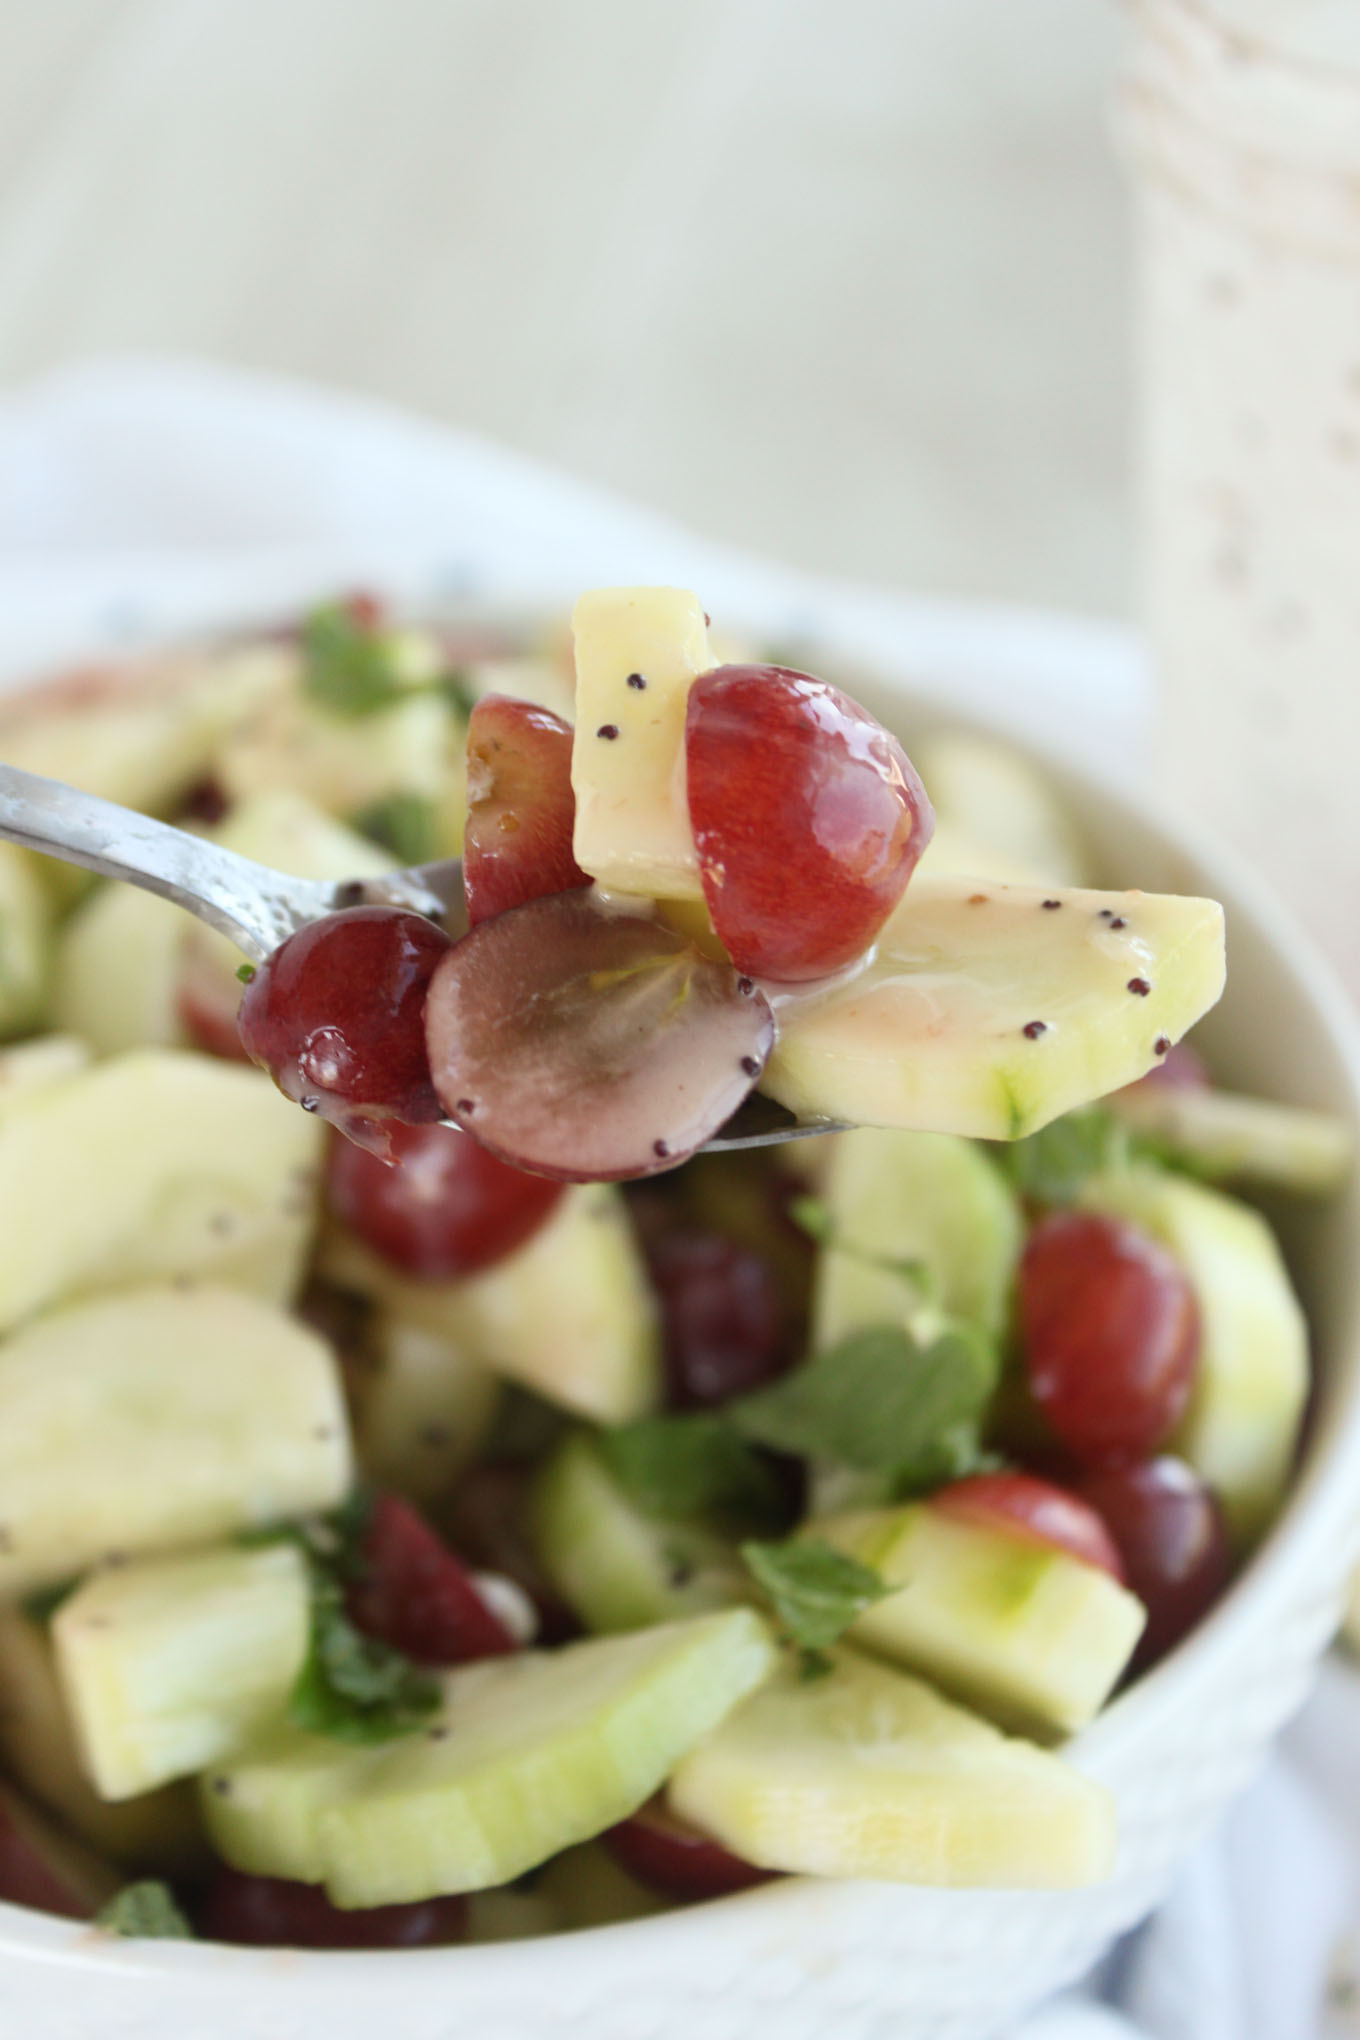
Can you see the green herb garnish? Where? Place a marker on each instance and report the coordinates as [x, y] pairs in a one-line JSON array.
[[816, 1591], [1053, 1165], [879, 1399], [353, 667], [145, 1911], [698, 1465], [353, 1687], [43, 1603], [407, 824]]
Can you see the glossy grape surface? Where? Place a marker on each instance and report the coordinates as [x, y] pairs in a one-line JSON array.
[[1174, 1543], [1111, 1335], [414, 1594], [521, 808], [1037, 1510], [440, 1207]]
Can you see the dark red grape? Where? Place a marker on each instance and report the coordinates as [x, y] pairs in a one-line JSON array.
[[725, 1327], [1024, 1506], [808, 817], [1174, 1542], [669, 1856], [488, 1520], [336, 1015], [521, 809], [274, 1912], [33, 1868], [1182, 1068], [590, 1045], [414, 1594], [1111, 1335], [441, 1206]]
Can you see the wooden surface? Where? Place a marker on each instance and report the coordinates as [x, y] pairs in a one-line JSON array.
[[842, 280]]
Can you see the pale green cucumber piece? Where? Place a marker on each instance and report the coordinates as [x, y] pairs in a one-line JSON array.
[[42, 1866], [157, 1163], [25, 944], [168, 1663], [116, 978], [32, 1066], [931, 1035], [341, 763], [1026, 1633], [1248, 1140], [160, 1417], [615, 1567], [925, 1197], [529, 1755], [569, 1314], [866, 1772], [993, 805], [158, 1834], [1241, 1430], [424, 1408], [633, 830]]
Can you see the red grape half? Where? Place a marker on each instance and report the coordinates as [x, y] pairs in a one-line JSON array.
[[1024, 1506], [521, 809], [808, 817], [414, 1594], [667, 1854], [441, 1206], [590, 1045], [1174, 1541]]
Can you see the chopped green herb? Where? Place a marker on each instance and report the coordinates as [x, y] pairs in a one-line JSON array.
[[145, 1911], [1052, 1165], [245, 972], [407, 824], [43, 1605], [458, 691], [348, 665], [817, 1592], [693, 1466], [879, 1399], [352, 1687]]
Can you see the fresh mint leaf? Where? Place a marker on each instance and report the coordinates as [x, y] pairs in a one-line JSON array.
[[814, 1217], [457, 690], [145, 1911], [817, 1591], [1051, 1166], [353, 1687], [348, 666], [43, 1603], [879, 1399], [407, 824], [686, 1466]]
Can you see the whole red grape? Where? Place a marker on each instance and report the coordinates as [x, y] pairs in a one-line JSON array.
[[1174, 1542], [521, 809], [1024, 1506], [441, 1206], [337, 1015], [1111, 1335], [724, 1325], [808, 817]]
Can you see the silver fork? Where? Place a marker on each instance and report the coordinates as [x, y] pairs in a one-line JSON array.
[[257, 907]]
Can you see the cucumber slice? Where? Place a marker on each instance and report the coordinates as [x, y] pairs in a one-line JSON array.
[[158, 1834], [168, 1663], [988, 798], [424, 1408], [1241, 1429], [154, 1164], [868, 1773], [615, 1567], [633, 829], [33, 1066], [932, 1033], [344, 764], [925, 1197], [1250, 1140], [1029, 1634], [570, 1313], [160, 1417], [531, 1754], [116, 977]]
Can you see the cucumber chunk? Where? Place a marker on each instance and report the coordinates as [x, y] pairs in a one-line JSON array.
[[868, 1773], [570, 1313], [1241, 1429], [158, 1834], [615, 1567], [938, 1032], [423, 1409], [116, 977], [156, 1418], [154, 1164], [1021, 1630], [530, 1755], [346, 764], [25, 944], [996, 815], [633, 830], [32, 1066], [926, 1197], [168, 1663], [1249, 1140]]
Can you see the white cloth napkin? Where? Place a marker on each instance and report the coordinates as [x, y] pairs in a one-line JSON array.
[[143, 498]]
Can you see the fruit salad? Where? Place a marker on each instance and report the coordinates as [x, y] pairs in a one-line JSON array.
[[466, 1509]]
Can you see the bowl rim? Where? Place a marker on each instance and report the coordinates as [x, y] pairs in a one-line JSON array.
[[1322, 1509]]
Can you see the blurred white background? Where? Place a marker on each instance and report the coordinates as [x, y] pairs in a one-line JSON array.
[[843, 281]]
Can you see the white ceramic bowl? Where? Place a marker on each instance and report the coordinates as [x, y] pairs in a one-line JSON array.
[[800, 1959]]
